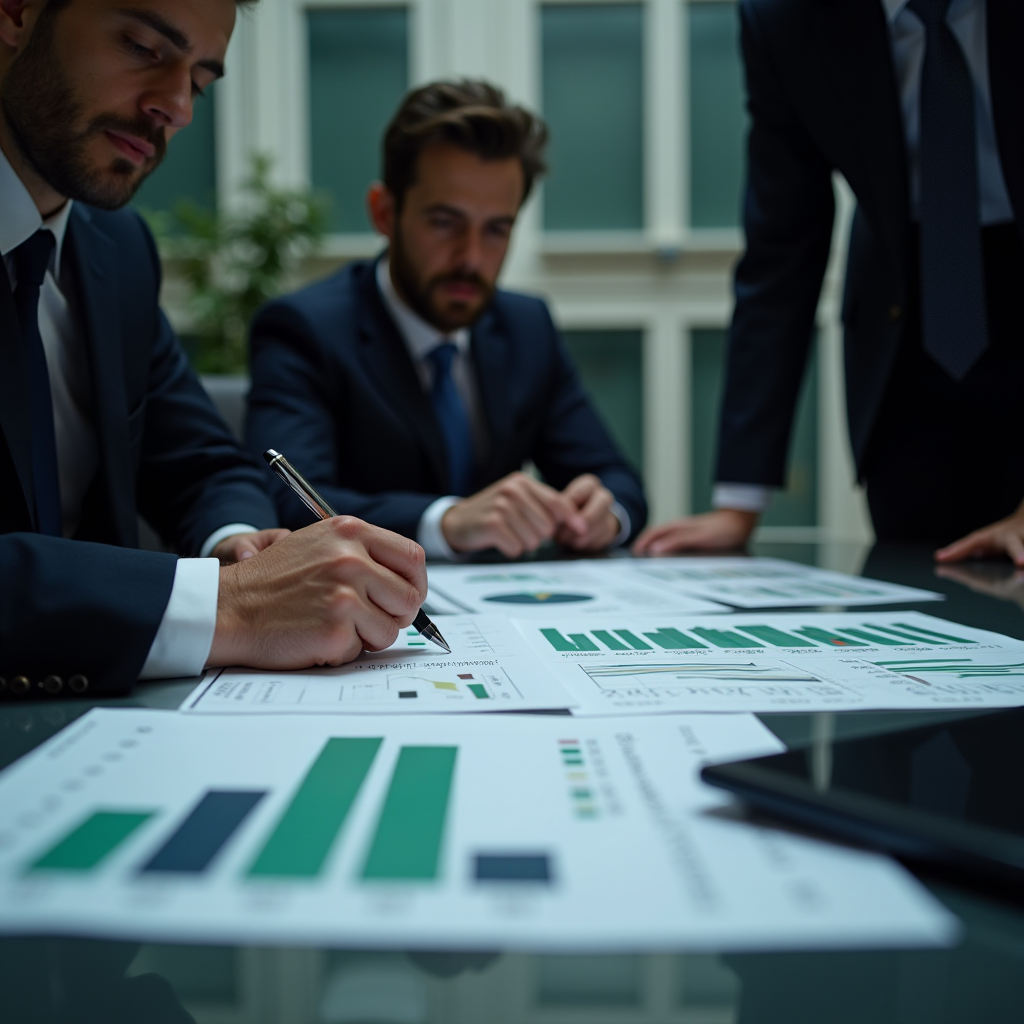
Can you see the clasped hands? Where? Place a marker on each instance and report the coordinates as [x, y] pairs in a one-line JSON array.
[[518, 513]]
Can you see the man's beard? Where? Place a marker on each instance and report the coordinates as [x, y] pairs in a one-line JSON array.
[[43, 116], [418, 293]]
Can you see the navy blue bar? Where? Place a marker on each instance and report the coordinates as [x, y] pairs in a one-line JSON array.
[[516, 867], [204, 832]]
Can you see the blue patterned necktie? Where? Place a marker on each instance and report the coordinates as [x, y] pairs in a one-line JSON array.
[[452, 418], [31, 259], [952, 275]]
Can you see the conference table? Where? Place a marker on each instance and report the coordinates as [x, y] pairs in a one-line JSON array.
[[980, 980]]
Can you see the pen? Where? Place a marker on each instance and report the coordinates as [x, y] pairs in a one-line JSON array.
[[302, 487]]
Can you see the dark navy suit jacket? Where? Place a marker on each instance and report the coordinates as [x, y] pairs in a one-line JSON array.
[[335, 389], [91, 606], [823, 97]]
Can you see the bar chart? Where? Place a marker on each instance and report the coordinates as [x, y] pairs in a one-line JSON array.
[[774, 662], [451, 832]]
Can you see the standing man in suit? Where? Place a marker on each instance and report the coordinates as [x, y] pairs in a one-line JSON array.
[[410, 389], [101, 418], [919, 104]]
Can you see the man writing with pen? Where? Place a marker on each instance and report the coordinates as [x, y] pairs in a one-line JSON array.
[[101, 418]]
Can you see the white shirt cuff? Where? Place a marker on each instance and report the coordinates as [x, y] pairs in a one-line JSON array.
[[429, 534], [624, 524], [742, 497], [225, 531], [183, 641]]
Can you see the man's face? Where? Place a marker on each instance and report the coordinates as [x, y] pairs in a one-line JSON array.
[[97, 90], [452, 232]]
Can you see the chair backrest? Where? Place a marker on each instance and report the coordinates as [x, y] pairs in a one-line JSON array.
[[228, 393]]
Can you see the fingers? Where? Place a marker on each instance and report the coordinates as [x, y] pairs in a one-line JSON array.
[[721, 530], [602, 526], [971, 546]]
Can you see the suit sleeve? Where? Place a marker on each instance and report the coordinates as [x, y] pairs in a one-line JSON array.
[[789, 210], [193, 475], [71, 607], [292, 408], [573, 440]]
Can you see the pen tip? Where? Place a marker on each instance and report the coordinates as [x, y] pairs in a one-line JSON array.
[[270, 455]]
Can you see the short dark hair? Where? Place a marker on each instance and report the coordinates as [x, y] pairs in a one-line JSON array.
[[470, 114]]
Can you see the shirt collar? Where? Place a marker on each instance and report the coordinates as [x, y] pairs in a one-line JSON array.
[[420, 337], [20, 218], [894, 8]]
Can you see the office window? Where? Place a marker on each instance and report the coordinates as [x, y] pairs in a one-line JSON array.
[[611, 365], [718, 120], [189, 169], [358, 73], [797, 505], [592, 67]]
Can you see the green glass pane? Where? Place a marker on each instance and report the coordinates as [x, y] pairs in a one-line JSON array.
[[611, 365], [189, 169], [718, 120], [358, 74], [797, 505], [592, 67]]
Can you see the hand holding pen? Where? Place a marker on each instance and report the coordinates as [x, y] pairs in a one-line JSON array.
[[319, 507], [318, 596]]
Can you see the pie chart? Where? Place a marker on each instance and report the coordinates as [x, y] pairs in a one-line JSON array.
[[540, 597]]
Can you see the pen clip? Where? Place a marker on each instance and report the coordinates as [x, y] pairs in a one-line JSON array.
[[299, 484]]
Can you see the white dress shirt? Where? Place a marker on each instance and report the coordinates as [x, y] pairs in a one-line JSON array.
[[421, 339], [185, 635], [968, 21]]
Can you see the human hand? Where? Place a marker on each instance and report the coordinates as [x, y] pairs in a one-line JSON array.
[[594, 502], [724, 529], [318, 596], [245, 545], [1003, 538], [515, 515]]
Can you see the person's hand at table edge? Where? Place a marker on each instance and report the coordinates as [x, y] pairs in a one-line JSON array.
[[515, 515], [594, 503], [724, 529], [318, 596], [244, 545], [1003, 538]]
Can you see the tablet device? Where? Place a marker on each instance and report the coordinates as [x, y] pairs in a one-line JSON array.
[[950, 793]]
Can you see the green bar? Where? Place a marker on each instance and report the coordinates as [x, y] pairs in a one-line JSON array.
[[776, 637], [91, 842], [830, 638], [931, 632], [633, 640], [673, 640], [900, 632], [610, 641], [724, 638], [479, 691], [582, 641], [876, 638], [305, 832], [407, 843]]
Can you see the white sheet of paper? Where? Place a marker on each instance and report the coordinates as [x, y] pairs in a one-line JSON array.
[[593, 587], [754, 662], [768, 582], [489, 669], [457, 832]]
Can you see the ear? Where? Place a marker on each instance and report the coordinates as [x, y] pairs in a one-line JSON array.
[[16, 20], [381, 206]]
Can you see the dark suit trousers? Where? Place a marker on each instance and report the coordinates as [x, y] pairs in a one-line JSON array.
[[945, 458]]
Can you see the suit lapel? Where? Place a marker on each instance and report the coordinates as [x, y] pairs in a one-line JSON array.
[[853, 42], [1006, 83], [93, 257], [14, 405], [387, 361], [491, 363]]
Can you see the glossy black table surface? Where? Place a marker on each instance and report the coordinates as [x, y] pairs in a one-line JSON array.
[[980, 980]]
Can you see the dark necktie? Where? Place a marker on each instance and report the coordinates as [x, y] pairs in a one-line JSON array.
[[31, 259], [952, 275], [453, 419]]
